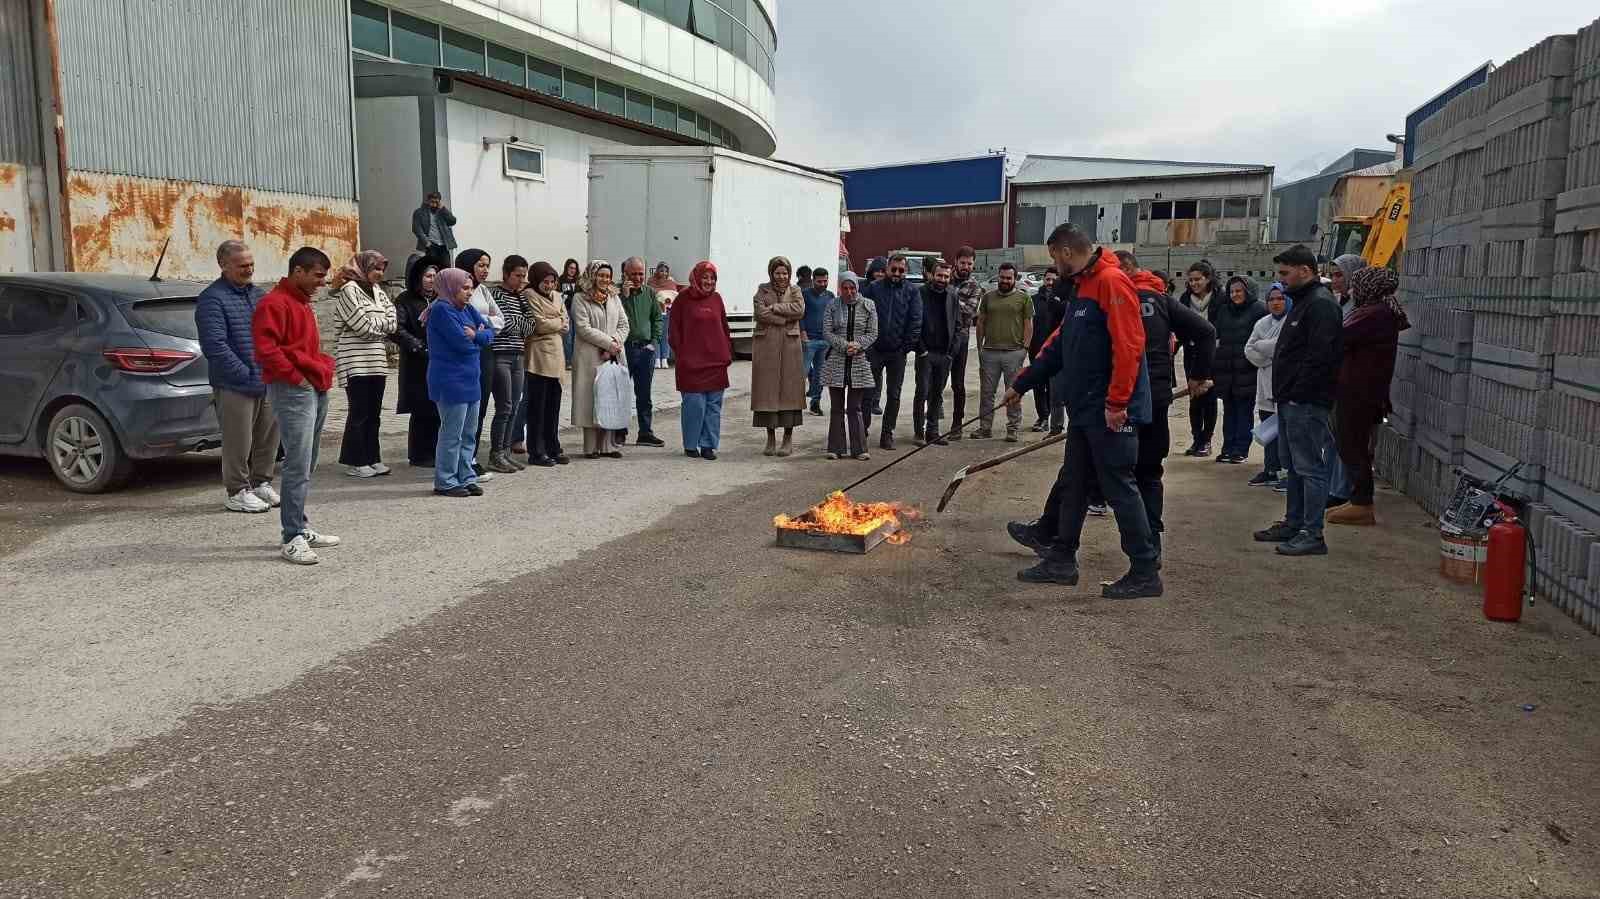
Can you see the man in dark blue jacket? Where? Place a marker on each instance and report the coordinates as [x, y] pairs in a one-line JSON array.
[[222, 317], [1099, 351], [899, 305], [1305, 370]]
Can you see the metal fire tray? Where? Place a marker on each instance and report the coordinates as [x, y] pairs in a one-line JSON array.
[[855, 544]]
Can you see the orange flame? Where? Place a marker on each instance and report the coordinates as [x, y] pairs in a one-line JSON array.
[[838, 515]]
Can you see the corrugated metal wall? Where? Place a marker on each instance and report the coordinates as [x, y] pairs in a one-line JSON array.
[[246, 93], [943, 230], [19, 101]]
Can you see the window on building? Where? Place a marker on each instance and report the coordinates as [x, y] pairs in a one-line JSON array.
[[463, 51], [579, 88], [369, 27], [524, 161], [685, 122], [1235, 207], [506, 65], [666, 115], [678, 12], [1210, 209], [716, 134], [702, 127], [1184, 209], [414, 40], [1255, 207], [1161, 211], [544, 77], [612, 99], [639, 108]]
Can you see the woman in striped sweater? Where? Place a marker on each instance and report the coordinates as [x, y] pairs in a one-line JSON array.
[[363, 318], [508, 370]]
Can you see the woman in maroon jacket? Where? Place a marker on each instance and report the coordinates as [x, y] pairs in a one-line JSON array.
[[1371, 340], [703, 347]]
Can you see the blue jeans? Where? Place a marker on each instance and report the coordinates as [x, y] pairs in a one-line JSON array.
[[452, 463], [642, 368], [1338, 479], [666, 345], [701, 420], [301, 411], [1303, 431], [1236, 425], [816, 355]]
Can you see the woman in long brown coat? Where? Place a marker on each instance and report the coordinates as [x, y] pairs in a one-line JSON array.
[[777, 361]]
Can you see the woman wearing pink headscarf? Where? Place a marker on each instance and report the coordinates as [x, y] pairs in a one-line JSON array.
[[457, 336]]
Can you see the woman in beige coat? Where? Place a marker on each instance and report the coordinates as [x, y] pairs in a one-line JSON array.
[[546, 360], [600, 327], [777, 361]]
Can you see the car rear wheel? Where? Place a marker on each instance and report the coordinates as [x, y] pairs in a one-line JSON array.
[[84, 452]]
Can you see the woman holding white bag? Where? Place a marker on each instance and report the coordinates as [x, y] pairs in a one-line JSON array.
[[599, 326]]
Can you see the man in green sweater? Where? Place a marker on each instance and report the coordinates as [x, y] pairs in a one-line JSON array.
[[644, 335], [1005, 328]]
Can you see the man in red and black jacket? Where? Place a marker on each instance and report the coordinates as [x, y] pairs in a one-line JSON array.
[[1099, 351]]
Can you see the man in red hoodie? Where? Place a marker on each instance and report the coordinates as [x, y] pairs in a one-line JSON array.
[[298, 375]]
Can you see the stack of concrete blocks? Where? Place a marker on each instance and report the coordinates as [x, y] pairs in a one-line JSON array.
[[1526, 130], [1568, 547], [1443, 260], [1501, 280]]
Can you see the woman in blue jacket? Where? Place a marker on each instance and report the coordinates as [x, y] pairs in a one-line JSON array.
[[457, 336]]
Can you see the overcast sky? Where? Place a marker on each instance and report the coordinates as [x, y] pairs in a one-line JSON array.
[[872, 81]]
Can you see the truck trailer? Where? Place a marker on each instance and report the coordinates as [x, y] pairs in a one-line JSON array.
[[687, 204]]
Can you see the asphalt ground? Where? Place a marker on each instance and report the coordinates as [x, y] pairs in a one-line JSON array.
[[615, 685]]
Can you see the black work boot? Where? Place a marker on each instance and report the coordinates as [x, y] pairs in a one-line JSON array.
[[1133, 585], [1278, 533], [1051, 570], [886, 440], [1028, 534]]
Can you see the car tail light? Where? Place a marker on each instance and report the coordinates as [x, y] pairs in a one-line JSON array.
[[142, 361]]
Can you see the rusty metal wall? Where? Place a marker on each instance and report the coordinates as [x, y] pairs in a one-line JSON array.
[[244, 93], [942, 229], [119, 223], [20, 139]]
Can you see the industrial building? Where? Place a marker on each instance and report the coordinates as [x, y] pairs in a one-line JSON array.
[[499, 110], [105, 157], [936, 206], [367, 106], [1299, 208], [1128, 202]]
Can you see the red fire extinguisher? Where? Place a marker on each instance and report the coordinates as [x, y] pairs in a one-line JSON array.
[[1505, 569]]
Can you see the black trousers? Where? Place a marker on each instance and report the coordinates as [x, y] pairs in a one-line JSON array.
[[1097, 456], [365, 397], [1155, 441], [1041, 395], [888, 376], [958, 380], [544, 413], [1203, 416], [844, 420], [422, 434], [927, 404]]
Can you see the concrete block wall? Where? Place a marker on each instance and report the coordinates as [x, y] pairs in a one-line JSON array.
[[1501, 282]]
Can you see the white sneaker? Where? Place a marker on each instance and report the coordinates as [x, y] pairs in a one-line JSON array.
[[381, 468], [362, 471], [486, 477], [266, 494], [245, 501], [321, 541], [299, 552]]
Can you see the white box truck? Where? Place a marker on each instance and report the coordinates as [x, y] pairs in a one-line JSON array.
[[687, 204]]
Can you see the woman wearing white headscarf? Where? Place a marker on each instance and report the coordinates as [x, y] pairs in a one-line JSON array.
[[600, 326]]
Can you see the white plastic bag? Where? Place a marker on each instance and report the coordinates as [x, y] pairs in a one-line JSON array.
[[1267, 431], [613, 397]]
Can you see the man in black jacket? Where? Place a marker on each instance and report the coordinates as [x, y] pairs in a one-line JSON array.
[[1045, 312], [1305, 370], [941, 329]]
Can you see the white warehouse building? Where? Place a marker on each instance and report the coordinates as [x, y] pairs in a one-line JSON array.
[[499, 108]]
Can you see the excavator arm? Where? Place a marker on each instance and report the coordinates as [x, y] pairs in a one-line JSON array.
[[1388, 232]]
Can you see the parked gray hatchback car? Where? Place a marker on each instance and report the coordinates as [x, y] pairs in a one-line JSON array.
[[97, 371]]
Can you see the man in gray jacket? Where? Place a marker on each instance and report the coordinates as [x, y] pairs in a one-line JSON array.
[[432, 223]]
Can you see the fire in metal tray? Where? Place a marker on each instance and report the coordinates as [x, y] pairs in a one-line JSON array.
[[838, 515]]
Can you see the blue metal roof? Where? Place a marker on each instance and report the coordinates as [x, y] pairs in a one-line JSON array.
[[1425, 111], [954, 182]]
